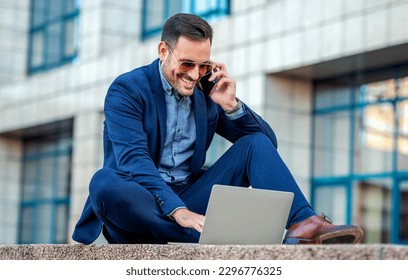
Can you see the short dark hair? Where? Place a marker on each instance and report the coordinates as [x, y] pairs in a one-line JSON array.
[[187, 25]]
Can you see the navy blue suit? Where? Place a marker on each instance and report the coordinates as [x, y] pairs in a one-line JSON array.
[[129, 197]]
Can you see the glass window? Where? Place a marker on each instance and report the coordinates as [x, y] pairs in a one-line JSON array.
[[403, 87], [37, 58], [153, 16], [402, 142], [52, 37], [53, 43], [43, 223], [38, 9], [46, 177], [331, 200], [46, 188], [374, 130], [332, 144], [27, 224], [377, 91], [403, 234], [61, 225], [70, 46], [71, 6], [63, 178], [55, 9], [360, 139], [333, 93], [156, 12], [374, 209], [30, 177]]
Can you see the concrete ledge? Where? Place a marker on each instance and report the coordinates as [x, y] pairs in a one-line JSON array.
[[207, 252]]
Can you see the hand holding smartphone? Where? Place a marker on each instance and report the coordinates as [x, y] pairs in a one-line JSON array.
[[225, 92], [205, 85]]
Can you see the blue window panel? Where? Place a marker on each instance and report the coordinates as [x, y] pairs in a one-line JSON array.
[[400, 221], [53, 43], [153, 13], [38, 12], [53, 34], [46, 180], [56, 9], [332, 201], [156, 12], [37, 49], [331, 148]]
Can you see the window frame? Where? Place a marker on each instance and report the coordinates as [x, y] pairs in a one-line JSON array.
[[66, 17], [53, 146], [396, 175], [223, 8]]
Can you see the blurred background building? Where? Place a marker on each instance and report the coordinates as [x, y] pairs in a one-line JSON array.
[[330, 76]]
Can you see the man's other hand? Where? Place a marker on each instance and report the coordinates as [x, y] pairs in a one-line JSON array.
[[187, 218]]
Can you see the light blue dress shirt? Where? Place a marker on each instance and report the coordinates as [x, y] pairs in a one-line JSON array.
[[180, 135]]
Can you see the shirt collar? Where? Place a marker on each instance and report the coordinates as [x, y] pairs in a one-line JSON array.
[[166, 86]]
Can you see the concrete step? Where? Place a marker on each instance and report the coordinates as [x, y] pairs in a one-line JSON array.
[[203, 252]]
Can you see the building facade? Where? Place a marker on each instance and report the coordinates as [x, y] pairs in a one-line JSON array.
[[330, 77]]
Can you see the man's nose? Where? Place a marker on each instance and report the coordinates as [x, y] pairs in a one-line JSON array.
[[195, 73]]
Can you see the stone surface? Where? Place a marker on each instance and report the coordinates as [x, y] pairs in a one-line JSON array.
[[203, 252]]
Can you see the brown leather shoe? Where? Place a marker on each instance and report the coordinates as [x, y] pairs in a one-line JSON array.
[[320, 230]]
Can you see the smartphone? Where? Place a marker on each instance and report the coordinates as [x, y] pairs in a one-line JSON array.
[[206, 85]]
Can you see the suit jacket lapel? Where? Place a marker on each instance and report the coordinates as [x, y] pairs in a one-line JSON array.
[[200, 116], [158, 94]]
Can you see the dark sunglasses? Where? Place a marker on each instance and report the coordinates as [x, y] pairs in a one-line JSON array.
[[186, 66]]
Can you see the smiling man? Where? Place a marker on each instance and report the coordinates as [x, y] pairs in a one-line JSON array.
[[160, 120]]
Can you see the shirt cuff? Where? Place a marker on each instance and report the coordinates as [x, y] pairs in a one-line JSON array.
[[172, 212], [235, 114]]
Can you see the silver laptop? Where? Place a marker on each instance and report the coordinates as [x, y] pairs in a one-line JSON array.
[[245, 216]]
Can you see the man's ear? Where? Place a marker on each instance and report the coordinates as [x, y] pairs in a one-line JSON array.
[[163, 50]]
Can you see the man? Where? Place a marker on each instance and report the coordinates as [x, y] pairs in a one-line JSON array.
[[159, 124]]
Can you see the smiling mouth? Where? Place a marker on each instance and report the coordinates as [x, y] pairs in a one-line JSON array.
[[188, 82]]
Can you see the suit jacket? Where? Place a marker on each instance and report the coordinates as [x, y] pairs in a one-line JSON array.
[[134, 135]]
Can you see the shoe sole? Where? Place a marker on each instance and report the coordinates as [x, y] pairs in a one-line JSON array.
[[346, 235]]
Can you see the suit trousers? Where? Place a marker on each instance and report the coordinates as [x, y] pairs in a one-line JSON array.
[[130, 213]]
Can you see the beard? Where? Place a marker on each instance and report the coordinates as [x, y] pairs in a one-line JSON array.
[[184, 85]]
